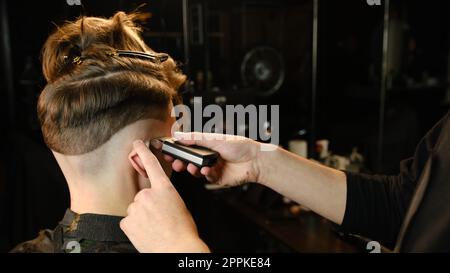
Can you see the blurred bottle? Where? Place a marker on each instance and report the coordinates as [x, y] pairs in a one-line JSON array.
[[299, 144]]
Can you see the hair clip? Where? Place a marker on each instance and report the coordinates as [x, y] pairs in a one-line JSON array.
[[76, 60], [156, 58]]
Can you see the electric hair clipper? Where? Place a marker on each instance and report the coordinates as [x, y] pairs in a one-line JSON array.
[[199, 156]]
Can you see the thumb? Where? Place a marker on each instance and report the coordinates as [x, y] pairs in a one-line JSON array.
[[146, 163]]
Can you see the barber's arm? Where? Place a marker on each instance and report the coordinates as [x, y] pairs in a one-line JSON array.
[[373, 205], [243, 160]]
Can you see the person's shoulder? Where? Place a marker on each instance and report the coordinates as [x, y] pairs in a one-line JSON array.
[[43, 243]]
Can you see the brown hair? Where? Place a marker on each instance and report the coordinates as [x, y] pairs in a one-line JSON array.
[[84, 103]]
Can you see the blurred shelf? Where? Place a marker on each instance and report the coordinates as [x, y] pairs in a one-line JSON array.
[[306, 233]]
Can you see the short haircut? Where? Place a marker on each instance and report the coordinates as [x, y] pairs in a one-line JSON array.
[[86, 102]]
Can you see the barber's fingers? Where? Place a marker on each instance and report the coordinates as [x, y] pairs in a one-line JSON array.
[[194, 170], [178, 165], [206, 171], [213, 174], [153, 169], [168, 158]]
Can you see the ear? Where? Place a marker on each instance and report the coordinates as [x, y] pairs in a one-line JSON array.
[[137, 164]]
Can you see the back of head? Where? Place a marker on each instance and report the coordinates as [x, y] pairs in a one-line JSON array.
[[92, 93]]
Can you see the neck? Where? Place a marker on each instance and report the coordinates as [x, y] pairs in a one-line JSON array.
[[103, 181], [106, 193]]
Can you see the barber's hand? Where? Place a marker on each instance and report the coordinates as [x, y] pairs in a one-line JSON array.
[[158, 220], [239, 158]]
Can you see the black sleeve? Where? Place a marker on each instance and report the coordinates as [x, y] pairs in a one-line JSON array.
[[376, 205]]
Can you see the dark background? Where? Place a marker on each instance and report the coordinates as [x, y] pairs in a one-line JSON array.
[[33, 193]]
